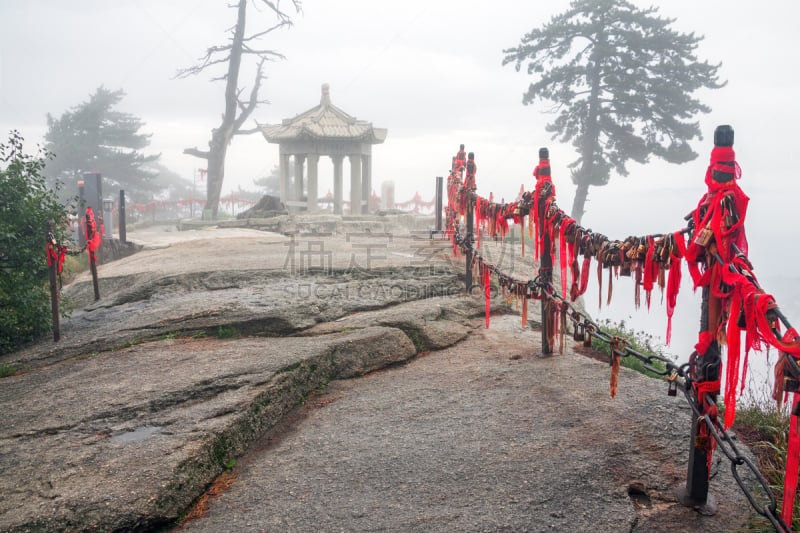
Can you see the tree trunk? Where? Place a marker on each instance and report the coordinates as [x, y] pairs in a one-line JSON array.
[[591, 134], [221, 137], [231, 125], [216, 172], [581, 194]]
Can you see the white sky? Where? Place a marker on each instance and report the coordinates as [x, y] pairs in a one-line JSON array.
[[429, 71]]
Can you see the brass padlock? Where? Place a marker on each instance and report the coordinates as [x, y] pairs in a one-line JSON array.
[[704, 237], [587, 340], [579, 333], [673, 388], [741, 320]]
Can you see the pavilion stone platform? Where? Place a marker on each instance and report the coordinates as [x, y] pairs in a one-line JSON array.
[[325, 130]]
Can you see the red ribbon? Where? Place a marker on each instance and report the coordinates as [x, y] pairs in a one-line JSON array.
[[479, 221], [541, 179], [562, 256], [650, 270], [674, 280], [792, 465], [487, 290], [587, 261], [93, 237], [56, 254]]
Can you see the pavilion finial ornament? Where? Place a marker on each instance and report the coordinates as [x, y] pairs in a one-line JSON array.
[[326, 95]]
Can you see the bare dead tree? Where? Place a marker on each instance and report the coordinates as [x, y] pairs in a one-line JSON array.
[[237, 111]]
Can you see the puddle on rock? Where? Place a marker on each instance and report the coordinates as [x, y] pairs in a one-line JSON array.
[[136, 435]]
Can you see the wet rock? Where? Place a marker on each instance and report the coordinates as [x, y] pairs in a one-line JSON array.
[[267, 207]]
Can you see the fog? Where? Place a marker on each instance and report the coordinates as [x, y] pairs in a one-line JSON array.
[[429, 72]]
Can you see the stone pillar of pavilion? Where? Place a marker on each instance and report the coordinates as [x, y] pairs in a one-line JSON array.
[[325, 130], [284, 176], [366, 183], [355, 184], [298, 179], [337, 184], [312, 187]]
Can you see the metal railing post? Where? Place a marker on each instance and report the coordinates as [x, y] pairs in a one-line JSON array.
[[439, 192], [545, 274], [705, 369], [469, 239], [546, 264], [123, 234]]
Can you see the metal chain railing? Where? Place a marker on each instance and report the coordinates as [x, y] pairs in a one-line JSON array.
[[677, 376]]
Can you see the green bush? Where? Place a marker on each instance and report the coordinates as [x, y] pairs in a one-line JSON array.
[[26, 206]]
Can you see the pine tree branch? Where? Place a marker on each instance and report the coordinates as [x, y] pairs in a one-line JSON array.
[[197, 153], [267, 54], [265, 32]]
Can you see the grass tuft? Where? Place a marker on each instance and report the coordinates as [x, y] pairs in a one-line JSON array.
[[6, 370], [227, 332]]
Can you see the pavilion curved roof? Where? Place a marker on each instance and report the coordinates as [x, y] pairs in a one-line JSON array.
[[323, 122]]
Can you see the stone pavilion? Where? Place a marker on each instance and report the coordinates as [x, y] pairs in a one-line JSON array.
[[325, 130]]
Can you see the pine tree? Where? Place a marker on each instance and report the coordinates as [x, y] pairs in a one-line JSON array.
[[621, 83], [94, 137], [271, 184]]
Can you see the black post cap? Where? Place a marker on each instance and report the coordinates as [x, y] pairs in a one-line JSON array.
[[544, 153], [723, 136]]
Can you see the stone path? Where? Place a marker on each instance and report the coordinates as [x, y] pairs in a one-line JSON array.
[[481, 436]]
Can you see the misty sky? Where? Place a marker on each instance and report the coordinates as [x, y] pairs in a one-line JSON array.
[[430, 72]]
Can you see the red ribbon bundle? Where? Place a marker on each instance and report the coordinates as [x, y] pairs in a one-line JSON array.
[[650, 270], [541, 178], [674, 280], [93, 237], [726, 222], [566, 225], [56, 255], [712, 209]]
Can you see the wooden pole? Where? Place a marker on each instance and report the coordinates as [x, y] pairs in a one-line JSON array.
[[93, 267], [92, 259], [53, 271], [470, 252]]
